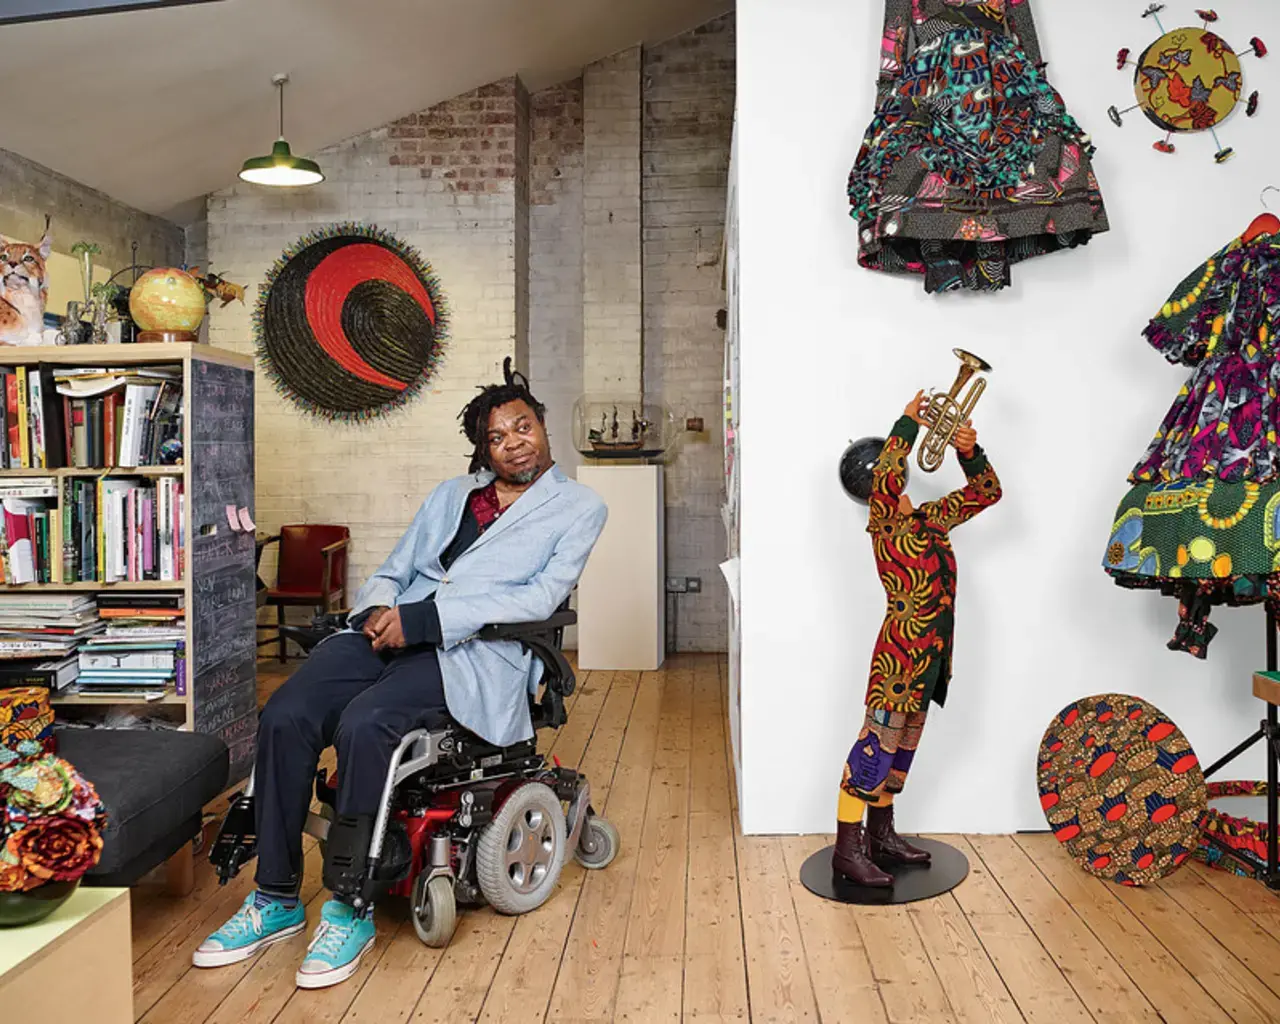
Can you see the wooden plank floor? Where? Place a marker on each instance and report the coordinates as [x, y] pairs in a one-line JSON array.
[[696, 922]]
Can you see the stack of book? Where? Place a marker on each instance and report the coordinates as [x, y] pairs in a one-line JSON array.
[[90, 417], [57, 675], [45, 628], [141, 654]]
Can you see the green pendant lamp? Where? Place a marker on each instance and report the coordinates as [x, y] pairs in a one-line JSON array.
[[281, 169]]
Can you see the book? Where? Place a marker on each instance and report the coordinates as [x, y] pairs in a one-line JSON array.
[[12, 422], [137, 402], [175, 600], [20, 539], [24, 428], [53, 674]]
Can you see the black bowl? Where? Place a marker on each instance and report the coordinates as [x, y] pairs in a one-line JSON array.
[[18, 908]]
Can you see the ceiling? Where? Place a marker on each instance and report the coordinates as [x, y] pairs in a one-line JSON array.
[[157, 108]]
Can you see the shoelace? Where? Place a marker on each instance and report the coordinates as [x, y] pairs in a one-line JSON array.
[[329, 938], [246, 919]]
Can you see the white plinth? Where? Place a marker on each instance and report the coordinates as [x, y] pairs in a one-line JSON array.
[[621, 596]]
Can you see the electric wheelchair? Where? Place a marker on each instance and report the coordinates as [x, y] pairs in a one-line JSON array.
[[461, 821]]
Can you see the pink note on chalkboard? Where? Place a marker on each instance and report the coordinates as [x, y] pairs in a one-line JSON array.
[[246, 523]]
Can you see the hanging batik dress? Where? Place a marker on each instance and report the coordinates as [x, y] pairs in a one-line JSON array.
[[1202, 520], [971, 163]]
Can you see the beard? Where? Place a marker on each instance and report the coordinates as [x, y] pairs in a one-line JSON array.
[[525, 476]]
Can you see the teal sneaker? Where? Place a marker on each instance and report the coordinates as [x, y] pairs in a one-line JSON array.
[[250, 929], [341, 939]]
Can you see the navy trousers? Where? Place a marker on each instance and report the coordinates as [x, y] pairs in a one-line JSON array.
[[359, 701]]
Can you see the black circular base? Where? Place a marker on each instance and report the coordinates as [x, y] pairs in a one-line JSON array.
[[910, 883]]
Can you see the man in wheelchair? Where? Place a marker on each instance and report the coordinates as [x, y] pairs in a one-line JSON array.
[[426, 695]]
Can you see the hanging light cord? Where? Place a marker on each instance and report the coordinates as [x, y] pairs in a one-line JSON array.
[[281, 110]]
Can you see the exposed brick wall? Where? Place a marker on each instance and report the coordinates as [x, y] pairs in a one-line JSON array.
[[31, 191], [612, 313], [468, 143], [444, 181], [687, 126]]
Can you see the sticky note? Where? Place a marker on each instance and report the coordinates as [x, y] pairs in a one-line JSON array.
[[245, 522], [232, 521]]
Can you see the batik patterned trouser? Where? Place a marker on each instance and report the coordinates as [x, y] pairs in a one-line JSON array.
[[880, 760]]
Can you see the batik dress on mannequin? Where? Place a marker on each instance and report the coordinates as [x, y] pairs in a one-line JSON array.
[[1202, 519], [971, 163]]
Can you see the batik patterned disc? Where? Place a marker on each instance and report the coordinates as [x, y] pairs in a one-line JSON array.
[[1188, 80], [1121, 788], [350, 322]]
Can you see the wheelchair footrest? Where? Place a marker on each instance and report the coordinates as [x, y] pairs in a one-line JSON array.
[[237, 840]]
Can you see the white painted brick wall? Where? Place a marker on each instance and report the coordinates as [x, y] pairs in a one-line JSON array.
[[688, 118], [612, 313]]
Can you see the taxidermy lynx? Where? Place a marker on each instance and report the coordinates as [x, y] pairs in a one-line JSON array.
[[23, 290]]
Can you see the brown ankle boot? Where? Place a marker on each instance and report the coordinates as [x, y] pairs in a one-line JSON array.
[[851, 857], [885, 844]]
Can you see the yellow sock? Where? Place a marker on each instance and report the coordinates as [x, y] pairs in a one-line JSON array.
[[885, 799], [850, 808]]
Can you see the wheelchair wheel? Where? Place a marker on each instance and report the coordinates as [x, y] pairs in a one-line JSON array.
[[521, 852], [434, 909], [598, 844]]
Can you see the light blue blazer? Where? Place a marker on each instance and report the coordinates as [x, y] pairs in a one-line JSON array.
[[519, 570]]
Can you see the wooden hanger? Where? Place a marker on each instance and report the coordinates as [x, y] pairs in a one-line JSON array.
[[1265, 223]]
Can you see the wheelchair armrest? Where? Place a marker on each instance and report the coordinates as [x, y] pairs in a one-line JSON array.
[[321, 626], [525, 630]]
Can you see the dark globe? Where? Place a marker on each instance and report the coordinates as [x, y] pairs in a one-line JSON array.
[[856, 466]]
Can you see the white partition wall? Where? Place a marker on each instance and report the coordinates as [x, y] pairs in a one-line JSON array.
[[621, 596], [831, 352]]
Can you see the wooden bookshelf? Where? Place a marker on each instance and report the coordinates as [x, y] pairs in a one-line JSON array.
[[80, 471], [141, 585], [86, 700], [217, 471]]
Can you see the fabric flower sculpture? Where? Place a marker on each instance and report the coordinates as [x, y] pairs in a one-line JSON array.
[[51, 822]]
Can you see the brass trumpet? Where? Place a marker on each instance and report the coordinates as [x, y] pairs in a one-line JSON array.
[[945, 414]]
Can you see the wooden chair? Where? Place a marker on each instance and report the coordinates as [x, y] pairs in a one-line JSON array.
[[311, 572]]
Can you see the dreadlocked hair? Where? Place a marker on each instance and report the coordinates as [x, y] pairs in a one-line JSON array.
[[475, 414]]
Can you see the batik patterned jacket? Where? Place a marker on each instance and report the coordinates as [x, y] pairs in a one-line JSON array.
[[911, 665]]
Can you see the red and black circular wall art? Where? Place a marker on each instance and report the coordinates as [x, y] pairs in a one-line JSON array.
[[350, 322]]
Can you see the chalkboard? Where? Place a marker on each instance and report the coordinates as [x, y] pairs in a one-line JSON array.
[[223, 609], [221, 442]]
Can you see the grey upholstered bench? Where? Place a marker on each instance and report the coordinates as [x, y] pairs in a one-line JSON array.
[[154, 785]]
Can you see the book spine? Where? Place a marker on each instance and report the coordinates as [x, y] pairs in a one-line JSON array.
[[109, 450], [68, 417], [4, 390], [39, 457], [68, 533], [55, 423], [79, 432], [129, 437], [24, 436], [11, 419]]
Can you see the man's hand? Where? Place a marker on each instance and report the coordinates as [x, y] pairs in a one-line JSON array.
[[373, 620], [916, 408], [389, 633], [965, 439]]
